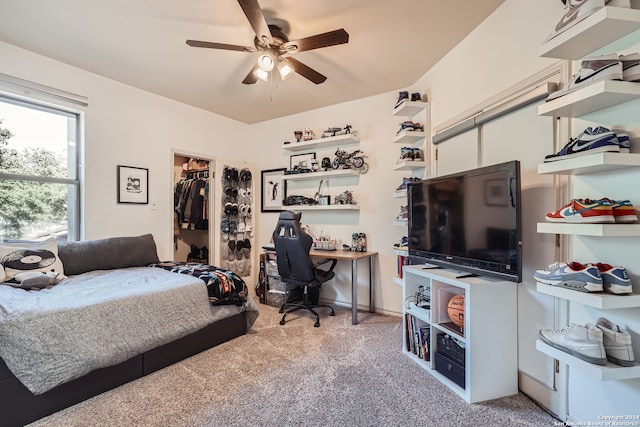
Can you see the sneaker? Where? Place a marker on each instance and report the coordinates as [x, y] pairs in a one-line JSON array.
[[406, 182], [575, 276], [575, 11], [615, 280], [410, 126], [604, 67], [404, 242], [623, 211], [417, 154], [579, 211], [416, 96], [584, 342], [624, 142], [630, 67], [401, 97], [592, 140], [404, 213], [406, 153], [617, 343]]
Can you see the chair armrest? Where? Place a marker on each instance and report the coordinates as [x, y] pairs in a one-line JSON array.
[[326, 260]]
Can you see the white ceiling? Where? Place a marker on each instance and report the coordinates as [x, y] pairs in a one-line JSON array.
[[142, 43]]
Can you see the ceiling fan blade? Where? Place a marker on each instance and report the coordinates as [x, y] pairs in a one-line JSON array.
[[331, 38], [251, 77], [223, 46], [252, 10], [305, 71]]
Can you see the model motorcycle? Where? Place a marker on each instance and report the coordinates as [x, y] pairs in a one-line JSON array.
[[350, 160]]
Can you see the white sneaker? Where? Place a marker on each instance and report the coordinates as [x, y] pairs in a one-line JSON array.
[[583, 342], [630, 67], [604, 67], [575, 11], [617, 343]]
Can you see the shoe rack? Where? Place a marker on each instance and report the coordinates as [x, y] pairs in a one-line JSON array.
[[595, 32], [416, 111]]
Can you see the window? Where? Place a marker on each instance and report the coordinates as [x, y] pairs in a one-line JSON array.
[[39, 178]]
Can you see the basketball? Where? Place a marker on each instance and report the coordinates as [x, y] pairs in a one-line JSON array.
[[455, 310]]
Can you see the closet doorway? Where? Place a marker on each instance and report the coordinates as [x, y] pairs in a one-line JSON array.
[[193, 207]]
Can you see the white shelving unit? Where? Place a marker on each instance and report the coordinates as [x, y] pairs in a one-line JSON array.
[[609, 372], [321, 175], [407, 165], [409, 108], [327, 207], [314, 144], [594, 97], [324, 143], [490, 367], [409, 137], [593, 163], [598, 30]]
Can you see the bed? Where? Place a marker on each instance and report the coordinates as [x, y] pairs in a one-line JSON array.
[[113, 319]]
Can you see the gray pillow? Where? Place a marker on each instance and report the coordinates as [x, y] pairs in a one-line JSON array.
[[107, 254]]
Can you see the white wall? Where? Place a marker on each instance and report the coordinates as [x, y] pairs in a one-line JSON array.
[[127, 126]]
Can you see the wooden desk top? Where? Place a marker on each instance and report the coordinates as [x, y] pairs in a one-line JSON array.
[[338, 254]]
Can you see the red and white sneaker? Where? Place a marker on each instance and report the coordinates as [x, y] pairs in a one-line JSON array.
[[623, 211], [584, 211]]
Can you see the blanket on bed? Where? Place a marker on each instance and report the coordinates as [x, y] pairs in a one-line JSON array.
[[98, 319], [223, 286]]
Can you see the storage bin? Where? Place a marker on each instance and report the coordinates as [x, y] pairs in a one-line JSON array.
[[448, 346], [450, 369]]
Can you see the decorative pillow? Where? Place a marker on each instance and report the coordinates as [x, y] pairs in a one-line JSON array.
[[23, 257], [107, 254]]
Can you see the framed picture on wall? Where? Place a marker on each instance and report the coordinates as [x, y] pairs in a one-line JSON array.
[[274, 190], [133, 185]]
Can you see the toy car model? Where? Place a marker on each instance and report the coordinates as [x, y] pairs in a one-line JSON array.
[[298, 200]]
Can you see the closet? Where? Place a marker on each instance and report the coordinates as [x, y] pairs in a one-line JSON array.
[[192, 190]]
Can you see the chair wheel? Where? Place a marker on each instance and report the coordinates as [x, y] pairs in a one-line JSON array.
[[332, 313], [282, 322], [281, 311], [317, 324]]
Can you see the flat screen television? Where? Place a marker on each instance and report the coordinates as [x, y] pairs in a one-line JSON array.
[[469, 221]]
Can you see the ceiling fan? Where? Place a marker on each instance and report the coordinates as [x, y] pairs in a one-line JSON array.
[[275, 46]]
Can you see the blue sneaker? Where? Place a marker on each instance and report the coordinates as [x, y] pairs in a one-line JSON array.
[[596, 140], [614, 279], [575, 276], [624, 142]]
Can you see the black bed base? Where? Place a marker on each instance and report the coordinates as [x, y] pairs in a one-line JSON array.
[[18, 406]]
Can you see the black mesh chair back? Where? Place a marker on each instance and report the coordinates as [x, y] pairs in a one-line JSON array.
[[295, 265]]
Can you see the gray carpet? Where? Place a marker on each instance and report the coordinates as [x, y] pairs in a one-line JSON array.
[[298, 375]]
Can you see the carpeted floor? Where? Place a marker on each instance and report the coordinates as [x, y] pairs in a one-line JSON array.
[[298, 375]]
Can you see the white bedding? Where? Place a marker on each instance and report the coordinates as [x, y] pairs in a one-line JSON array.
[[99, 319]]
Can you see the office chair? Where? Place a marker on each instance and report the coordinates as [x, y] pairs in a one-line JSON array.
[[295, 266]]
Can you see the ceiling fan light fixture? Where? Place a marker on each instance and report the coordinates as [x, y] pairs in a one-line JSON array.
[[285, 69], [262, 74], [266, 62]]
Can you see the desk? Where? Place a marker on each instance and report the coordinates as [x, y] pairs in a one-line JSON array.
[[353, 257]]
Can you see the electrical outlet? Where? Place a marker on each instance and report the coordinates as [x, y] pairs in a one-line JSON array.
[[154, 205]]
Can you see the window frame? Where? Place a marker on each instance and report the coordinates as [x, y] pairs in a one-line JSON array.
[[75, 120]]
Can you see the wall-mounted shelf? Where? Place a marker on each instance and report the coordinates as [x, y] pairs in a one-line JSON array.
[[589, 99], [598, 230], [409, 137], [603, 27], [332, 141], [321, 174], [599, 300], [591, 163], [409, 165], [400, 194], [409, 108], [325, 207], [401, 222], [609, 372]]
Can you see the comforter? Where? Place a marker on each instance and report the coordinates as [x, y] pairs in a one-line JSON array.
[[99, 319]]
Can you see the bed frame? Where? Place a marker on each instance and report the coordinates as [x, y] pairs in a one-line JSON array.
[[18, 406]]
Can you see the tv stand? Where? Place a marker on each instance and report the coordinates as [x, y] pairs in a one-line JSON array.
[[477, 361]]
